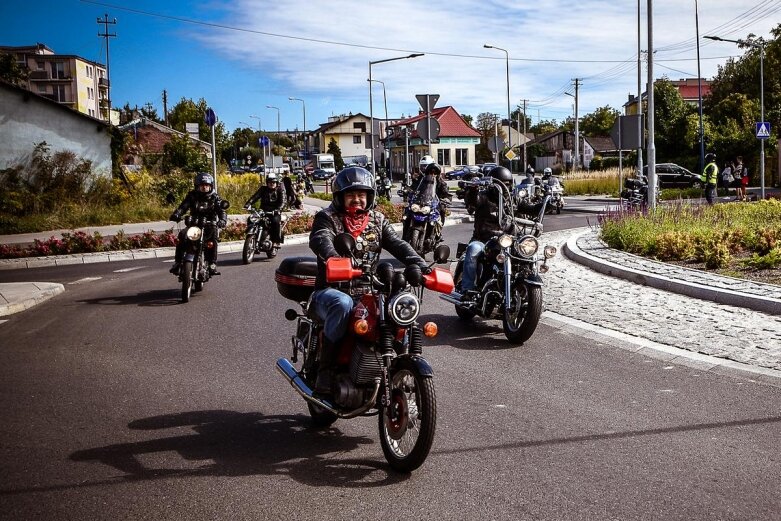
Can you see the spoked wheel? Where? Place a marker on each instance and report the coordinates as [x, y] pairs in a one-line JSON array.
[[187, 280], [248, 253], [520, 322], [407, 426]]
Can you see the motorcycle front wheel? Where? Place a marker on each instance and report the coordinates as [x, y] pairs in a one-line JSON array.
[[187, 280], [416, 241], [248, 252], [407, 436], [520, 322]]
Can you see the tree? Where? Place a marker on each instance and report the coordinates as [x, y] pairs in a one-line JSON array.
[[545, 126], [11, 71], [670, 118], [333, 148], [468, 119], [599, 122], [188, 111], [486, 125], [182, 152]]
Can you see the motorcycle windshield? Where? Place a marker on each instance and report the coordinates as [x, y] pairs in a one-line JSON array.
[[426, 193]]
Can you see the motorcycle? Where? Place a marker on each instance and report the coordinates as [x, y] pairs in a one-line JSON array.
[[384, 186], [556, 202], [381, 370], [634, 196], [509, 286], [468, 192], [194, 272], [423, 227], [257, 237]]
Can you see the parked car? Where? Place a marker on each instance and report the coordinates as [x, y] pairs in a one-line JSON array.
[[320, 175], [487, 167], [461, 171], [670, 175]]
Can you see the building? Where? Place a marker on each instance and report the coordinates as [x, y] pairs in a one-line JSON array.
[[29, 119], [688, 88], [70, 80], [454, 146], [149, 139], [349, 131]]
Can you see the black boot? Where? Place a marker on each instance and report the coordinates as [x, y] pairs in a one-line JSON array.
[[326, 370], [175, 268]]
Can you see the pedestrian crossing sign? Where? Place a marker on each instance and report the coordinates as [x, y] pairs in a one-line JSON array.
[[763, 130]]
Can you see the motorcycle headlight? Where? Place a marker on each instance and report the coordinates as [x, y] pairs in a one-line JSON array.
[[253, 218], [194, 233], [527, 246], [425, 210], [505, 240], [522, 193], [404, 309], [549, 251], [415, 208], [283, 218]]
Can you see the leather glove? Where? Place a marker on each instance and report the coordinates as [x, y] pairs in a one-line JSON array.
[[175, 217], [221, 223]]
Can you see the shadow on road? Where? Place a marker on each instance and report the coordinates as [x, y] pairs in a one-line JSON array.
[[228, 443], [155, 297], [477, 334]]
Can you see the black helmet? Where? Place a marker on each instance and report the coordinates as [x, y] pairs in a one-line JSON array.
[[204, 179], [433, 169], [710, 157], [353, 178], [502, 174]]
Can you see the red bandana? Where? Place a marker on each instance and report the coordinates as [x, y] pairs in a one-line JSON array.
[[355, 223]]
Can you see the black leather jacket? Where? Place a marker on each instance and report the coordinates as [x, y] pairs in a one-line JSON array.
[[270, 200], [377, 235], [209, 207], [487, 215]]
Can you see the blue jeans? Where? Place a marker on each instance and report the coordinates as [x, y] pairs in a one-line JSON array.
[[469, 277], [333, 307]]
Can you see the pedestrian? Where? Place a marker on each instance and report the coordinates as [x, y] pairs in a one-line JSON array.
[[741, 169], [290, 192], [726, 178], [709, 177]]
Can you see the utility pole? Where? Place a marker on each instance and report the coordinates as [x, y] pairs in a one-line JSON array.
[[577, 128], [106, 22], [639, 101], [165, 107], [523, 168]]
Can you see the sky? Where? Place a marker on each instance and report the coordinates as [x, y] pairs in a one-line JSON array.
[[242, 56]]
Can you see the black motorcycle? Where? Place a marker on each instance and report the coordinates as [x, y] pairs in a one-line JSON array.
[[194, 272], [467, 192], [508, 284], [634, 196], [257, 237], [381, 370], [422, 219], [384, 186]]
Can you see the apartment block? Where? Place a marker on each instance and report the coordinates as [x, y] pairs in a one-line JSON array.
[[70, 80]]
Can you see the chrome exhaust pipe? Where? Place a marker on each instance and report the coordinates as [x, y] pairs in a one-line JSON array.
[[291, 375], [453, 298]]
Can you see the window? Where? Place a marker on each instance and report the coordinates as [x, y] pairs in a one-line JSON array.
[[357, 140], [59, 92], [89, 71], [40, 65], [443, 157], [58, 70], [360, 126], [462, 156], [90, 93]]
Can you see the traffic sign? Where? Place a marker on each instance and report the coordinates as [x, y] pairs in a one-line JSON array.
[[427, 101], [210, 117], [510, 155], [263, 141], [763, 129], [423, 129], [495, 144]]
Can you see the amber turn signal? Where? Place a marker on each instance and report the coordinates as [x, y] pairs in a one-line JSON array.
[[361, 327], [430, 329]]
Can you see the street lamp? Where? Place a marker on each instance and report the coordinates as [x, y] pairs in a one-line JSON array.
[[277, 109], [509, 120], [385, 100], [259, 121], [759, 44], [371, 107], [306, 147]]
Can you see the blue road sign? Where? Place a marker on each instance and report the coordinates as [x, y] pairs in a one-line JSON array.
[[210, 117], [263, 141], [763, 129]]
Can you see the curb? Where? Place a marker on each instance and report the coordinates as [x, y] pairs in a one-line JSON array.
[[27, 299], [718, 295], [155, 253]]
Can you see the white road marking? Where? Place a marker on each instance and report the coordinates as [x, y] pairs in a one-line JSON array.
[[86, 279], [1, 321], [124, 270]]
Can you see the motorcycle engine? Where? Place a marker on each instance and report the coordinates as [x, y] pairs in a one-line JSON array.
[[352, 388]]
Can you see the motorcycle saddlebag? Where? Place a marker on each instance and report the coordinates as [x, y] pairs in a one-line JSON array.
[[295, 278]]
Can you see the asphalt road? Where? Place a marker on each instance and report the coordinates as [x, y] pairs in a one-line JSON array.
[[121, 403]]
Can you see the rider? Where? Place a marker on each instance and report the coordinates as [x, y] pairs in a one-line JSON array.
[[202, 201], [709, 177], [272, 199], [487, 225], [432, 173], [351, 211]]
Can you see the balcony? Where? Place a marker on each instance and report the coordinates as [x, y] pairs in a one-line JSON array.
[[39, 75], [103, 82]]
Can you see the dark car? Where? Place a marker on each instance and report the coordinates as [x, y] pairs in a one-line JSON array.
[[487, 167], [320, 175], [670, 175], [461, 171]]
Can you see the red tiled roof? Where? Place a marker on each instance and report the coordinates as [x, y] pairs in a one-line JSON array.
[[689, 92], [451, 124]]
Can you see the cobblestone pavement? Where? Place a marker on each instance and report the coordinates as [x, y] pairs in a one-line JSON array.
[[733, 333]]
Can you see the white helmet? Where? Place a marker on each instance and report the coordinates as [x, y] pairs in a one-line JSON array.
[[272, 178], [424, 162], [547, 172]]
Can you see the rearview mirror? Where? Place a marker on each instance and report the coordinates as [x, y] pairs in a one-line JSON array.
[[344, 244], [441, 254]]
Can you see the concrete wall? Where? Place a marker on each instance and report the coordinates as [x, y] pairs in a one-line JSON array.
[[27, 119]]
